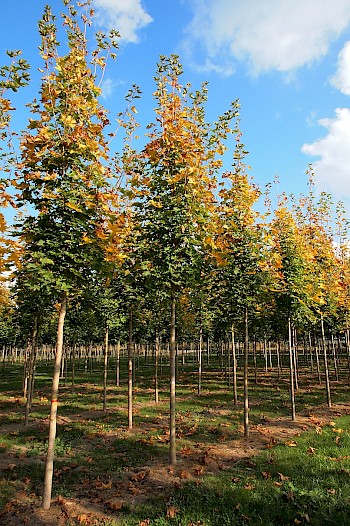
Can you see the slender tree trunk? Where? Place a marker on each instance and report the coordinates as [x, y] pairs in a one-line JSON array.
[[279, 369], [328, 387], [311, 354], [117, 365], [245, 381], [234, 358], [347, 341], [156, 356], [291, 368], [105, 371], [255, 362], [172, 381], [295, 358], [130, 377], [74, 348], [335, 359], [200, 361], [54, 402], [31, 371]]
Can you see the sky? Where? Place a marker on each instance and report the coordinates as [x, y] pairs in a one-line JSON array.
[[287, 61]]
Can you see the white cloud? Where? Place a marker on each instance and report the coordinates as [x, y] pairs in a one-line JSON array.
[[126, 16], [108, 87], [267, 34], [332, 170], [341, 79]]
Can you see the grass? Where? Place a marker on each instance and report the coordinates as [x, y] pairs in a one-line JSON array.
[[301, 480]]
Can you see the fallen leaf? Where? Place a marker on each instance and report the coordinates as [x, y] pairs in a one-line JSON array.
[[101, 485], [114, 506], [290, 443], [283, 477], [186, 451], [266, 475], [171, 512], [311, 450]]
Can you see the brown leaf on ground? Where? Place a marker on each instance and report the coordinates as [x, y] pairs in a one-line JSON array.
[[199, 470], [290, 443], [186, 451], [171, 512], [115, 506], [102, 486], [311, 450]]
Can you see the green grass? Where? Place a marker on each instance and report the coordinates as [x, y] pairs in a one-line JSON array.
[[307, 482]]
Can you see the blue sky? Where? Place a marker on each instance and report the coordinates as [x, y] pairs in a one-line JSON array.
[[288, 61]]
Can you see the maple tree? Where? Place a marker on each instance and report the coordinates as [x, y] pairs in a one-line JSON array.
[[326, 284], [238, 274], [290, 265], [64, 177], [173, 194], [12, 77]]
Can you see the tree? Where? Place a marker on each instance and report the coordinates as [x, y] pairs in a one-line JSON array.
[[238, 275], [64, 178], [173, 195]]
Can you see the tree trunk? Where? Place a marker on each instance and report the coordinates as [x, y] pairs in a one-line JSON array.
[[156, 356], [291, 368], [328, 387], [172, 382], [246, 354], [54, 402], [130, 353], [335, 358], [200, 361], [117, 365], [235, 396], [74, 348], [105, 371], [30, 374]]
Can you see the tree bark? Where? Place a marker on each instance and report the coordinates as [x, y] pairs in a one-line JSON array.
[[105, 371], [235, 396], [54, 402], [156, 356], [291, 368], [117, 365], [246, 354], [30, 373], [172, 381], [326, 370], [200, 361], [130, 372]]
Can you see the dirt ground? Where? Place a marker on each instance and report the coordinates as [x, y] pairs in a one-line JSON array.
[[103, 499]]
